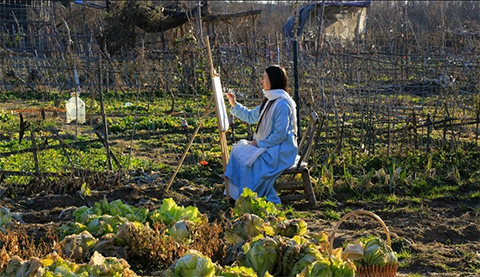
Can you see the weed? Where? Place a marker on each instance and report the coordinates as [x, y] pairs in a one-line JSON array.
[[326, 179], [413, 209], [476, 211], [329, 203], [331, 214], [392, 199], [298, 214], [445, 267], [474, 195]]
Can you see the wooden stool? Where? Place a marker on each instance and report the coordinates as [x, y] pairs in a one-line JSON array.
[[289, 188]]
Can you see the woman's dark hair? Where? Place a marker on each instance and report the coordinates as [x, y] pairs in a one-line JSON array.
[[278, 77]]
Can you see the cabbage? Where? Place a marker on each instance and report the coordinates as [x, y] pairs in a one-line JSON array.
[[126, 232], [238, 271], [245, 227], [341, 268], [13, 265], [249, 202], [29, 268], [291, 228], [194, 263], [170, 212], [5, 216], [329, 268], [260, 254], [78, 247], [376, 252], [104, 224], [391, 258], [82, 213], [108, 266], [5, 219], [71, 228], [290, 256], [103, 218], [55, 266], [114, 208], [180, 231], [319, 269], [308, 256]]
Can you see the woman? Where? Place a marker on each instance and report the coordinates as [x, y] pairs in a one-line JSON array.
[[258, 163]]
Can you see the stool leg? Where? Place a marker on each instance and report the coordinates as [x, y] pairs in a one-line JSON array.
[[307, 184]]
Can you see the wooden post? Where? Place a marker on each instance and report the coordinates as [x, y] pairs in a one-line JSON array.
[[296, 94], [110, 153], [104, 117], [389, 137], [319, 41], [444, 142], [429, 132], [277, 49], [35, 154], [199, 21], [477, 123], [415, 131]]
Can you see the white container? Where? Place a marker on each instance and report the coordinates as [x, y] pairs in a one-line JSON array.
[[75, 110]]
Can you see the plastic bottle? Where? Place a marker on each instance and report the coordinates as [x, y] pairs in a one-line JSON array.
[[75, 109]]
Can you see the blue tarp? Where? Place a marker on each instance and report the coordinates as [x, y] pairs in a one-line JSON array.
[[304, 13], [90, 4]]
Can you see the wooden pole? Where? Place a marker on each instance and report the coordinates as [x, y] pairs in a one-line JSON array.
[[35, 154], [477, 123], [296, 94], [199, 21], [110, 153], [104, 117]]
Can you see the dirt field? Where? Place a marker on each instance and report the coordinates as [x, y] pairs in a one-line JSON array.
[[443, 236]]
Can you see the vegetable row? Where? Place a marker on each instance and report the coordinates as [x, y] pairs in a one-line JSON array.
[[258, 240]]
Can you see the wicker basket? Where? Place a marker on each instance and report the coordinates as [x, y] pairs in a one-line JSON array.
[[368, 271]]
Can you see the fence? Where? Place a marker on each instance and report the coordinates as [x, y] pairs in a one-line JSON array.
[[386, 100]]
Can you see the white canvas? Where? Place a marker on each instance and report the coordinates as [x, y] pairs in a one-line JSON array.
[[220, 103]]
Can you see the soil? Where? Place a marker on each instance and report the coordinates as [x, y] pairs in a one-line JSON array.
[[442, 236]]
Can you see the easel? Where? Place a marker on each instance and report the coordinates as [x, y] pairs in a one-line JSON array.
[[222, 121], [222, 116]]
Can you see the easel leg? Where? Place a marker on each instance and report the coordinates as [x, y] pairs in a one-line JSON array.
[[183, 157], [223, 146], [200, 123]]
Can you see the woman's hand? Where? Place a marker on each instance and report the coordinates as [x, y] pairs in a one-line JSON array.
[[254, 143], [231, 98]]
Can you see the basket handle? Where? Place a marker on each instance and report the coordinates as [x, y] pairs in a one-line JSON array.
[[359, 212]]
